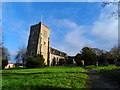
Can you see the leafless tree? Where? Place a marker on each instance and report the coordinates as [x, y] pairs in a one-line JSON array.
[[5, 56], [115, 14], [21, 54]]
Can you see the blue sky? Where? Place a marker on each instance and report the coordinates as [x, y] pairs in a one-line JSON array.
[[73, 25]]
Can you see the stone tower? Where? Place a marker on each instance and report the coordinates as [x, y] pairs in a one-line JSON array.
[[38, 42]]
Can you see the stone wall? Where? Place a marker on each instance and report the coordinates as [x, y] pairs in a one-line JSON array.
[[33, 40], [56, 55], [44, 42]]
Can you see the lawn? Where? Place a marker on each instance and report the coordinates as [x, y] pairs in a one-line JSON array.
[[47, 77], [104, 68], [112, 72]]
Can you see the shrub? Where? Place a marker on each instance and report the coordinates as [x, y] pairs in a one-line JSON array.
[[78, 58], [78, 62], [35, 61], [4, 63]]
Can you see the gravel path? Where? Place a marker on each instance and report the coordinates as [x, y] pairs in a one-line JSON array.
[[98, 81]]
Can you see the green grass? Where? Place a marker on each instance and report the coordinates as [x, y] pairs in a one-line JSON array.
[[112, 72], [47, 77], [104, 68]]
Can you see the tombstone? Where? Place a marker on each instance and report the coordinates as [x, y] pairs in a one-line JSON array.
[[82, 62], [74, 63], [96, 64]]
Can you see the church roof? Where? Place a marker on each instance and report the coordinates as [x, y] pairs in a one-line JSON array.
[[57, 50]]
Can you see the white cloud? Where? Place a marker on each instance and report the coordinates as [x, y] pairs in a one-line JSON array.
[[74, 38], [12, 52], [106, 29], [102, 34]]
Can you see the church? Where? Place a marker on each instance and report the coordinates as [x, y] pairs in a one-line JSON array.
[[39, 43]]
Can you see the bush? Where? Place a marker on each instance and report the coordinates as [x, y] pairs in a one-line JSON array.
[[4, 63], [78, 58], [35, 61]]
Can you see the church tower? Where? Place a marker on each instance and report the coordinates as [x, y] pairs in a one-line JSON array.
[[38, 42]]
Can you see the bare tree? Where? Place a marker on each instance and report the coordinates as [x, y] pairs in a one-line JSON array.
[[115, 14], [5, 53], [21, 54], [5, 56], [115, 49]]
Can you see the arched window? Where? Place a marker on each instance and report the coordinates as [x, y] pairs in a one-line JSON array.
[[54, 61], [44, 43]]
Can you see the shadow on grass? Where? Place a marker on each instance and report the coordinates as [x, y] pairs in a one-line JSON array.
[[39, 67], [8, 74], [33, 87], [15, 68], [11, 74]]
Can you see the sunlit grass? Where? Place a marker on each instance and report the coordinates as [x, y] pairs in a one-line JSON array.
[[104, 68], [47, 77]]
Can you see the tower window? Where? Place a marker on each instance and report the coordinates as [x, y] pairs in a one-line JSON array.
[[33, 33], [44, 43]]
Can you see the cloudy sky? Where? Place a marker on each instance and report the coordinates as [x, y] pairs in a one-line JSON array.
[[73, 25]]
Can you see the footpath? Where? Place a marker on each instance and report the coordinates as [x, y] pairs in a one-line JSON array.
[[99, 82]]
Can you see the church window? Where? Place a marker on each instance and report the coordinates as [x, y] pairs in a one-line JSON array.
[[31, 53], [45, 33], [33, 33], [44, 43], [52, 50]]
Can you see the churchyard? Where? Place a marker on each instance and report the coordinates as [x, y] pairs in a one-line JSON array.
[[57, 77]]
